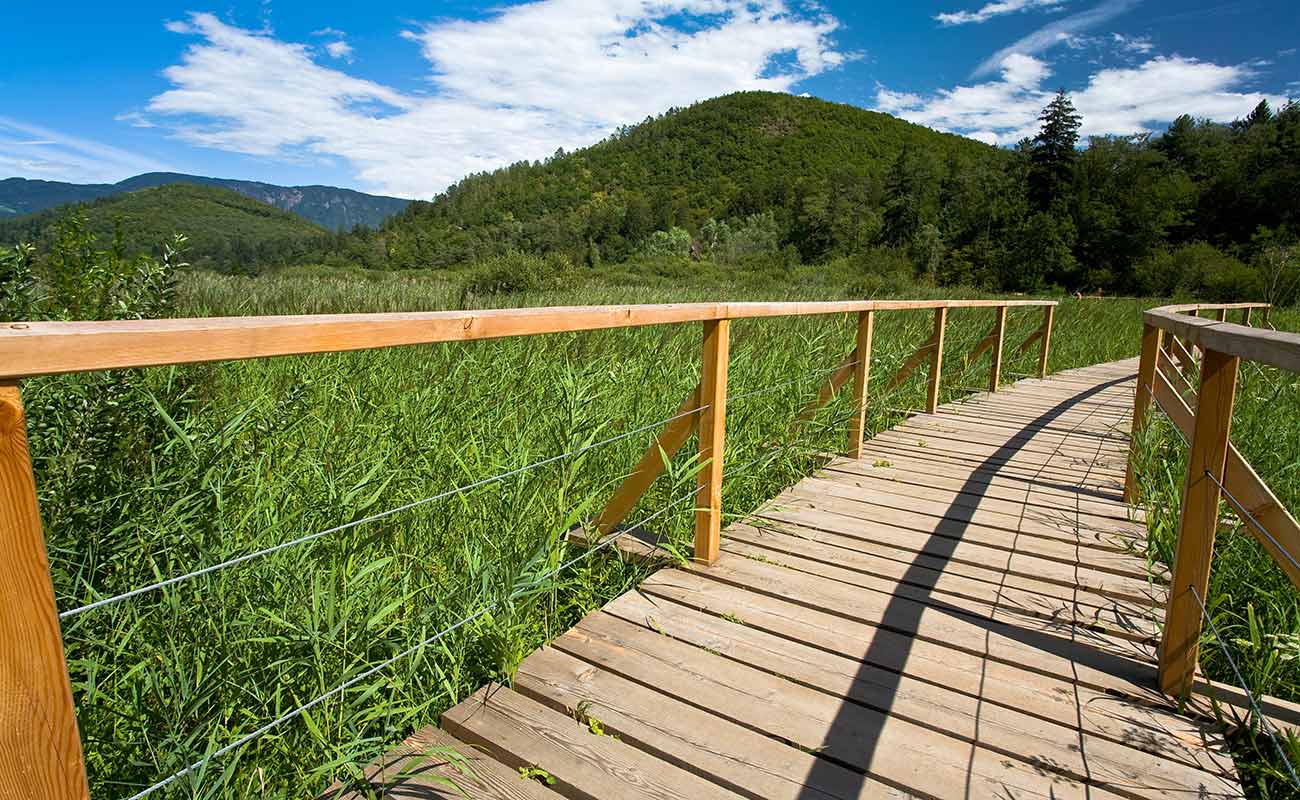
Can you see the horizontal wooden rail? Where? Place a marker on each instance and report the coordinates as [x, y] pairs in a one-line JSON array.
[[44, 348], [1171, 340], [34, 683]]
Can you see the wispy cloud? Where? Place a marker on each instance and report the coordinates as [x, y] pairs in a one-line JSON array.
[[1133, 44], [36, 152], [1118, 101], [995, 9], [1059, 32], [516, 86]]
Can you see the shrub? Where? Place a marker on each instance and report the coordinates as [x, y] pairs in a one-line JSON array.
[[672, 242], [514, 273]]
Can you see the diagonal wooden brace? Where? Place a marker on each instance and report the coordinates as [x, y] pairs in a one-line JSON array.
[[909, 366], [651, 465], [829, 388]]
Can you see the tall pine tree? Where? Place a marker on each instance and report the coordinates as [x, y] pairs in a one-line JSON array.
[[1052, 152]]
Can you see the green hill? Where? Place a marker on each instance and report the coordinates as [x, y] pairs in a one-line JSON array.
[[226, 230], [330, 207], [819, 168]]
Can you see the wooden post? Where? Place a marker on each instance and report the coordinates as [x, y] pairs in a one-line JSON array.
[[936, 360], [1049, 316], [713, 428], [999, 329], [1222, 315], [1200, 517], [1245, 315], [861, 375], [40, 749], [1268, 311], [1152, 340]]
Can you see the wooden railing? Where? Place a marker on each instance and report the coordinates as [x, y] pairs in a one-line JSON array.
[[40, 751], [1171, 337]]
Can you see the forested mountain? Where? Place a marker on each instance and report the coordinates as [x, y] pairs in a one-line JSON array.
[[758, 180], [327, 206], [819, 169], [225, 230]]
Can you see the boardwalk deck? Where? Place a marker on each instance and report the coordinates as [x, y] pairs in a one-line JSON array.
[[962, 612]]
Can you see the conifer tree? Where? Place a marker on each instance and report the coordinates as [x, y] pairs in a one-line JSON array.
[[1052, 152]]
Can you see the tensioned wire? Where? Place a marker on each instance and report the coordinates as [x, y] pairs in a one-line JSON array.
[[107, 601], [342, 687], [371, 518], [1241, 680]]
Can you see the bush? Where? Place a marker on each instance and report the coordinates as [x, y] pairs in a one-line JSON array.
[[672, 242], [514, 273]]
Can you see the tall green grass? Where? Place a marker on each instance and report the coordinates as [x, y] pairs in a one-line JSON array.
[[233, 457], [1253, 604]]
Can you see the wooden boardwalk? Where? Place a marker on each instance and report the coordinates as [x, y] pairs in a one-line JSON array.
[[964, 612]]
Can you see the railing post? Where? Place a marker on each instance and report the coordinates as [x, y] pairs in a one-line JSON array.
[[936, 360], [1049, 318], [1222, 315], [1200, 517], [861, 375], [999, 330], [1245, 315], [40, 749], [713, 428], [1152, 341]]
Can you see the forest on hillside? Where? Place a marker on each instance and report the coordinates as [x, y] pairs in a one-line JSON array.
[[761, 182]]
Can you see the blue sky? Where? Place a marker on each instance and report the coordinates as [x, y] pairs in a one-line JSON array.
[[405, 97]]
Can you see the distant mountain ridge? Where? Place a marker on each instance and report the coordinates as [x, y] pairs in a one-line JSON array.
[[329, 207]]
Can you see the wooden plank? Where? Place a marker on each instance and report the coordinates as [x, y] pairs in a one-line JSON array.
[[909, 366], [1199, 521], [936, 360], [433, 765], [1049, 316], [954, 587], [520, 732], [999, 333], [824, 642], [1046, 560], [1012, 732], [887, 747], [651, 465], [1098, 482], [829, 388], [732, 756], [1108, 542], [45, 348], [1151, 337], [1276, 348], [713, 430], [861, 381], [40, 749]]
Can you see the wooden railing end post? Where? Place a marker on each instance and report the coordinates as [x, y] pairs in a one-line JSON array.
[[999, 333], [1180, 645], [861, 378], [713, 427], [40, 748], [936, 360]]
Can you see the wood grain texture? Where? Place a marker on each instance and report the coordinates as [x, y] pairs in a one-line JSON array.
[[861, 380], [1198, 523], [998, 335], [713, 434], [40, 749], [936, 360], [1151, 344], [651, 465], [1049, 319], [42, 348]]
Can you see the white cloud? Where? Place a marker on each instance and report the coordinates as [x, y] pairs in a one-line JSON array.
[[35, 152], [1062, 31], [1115, 101], [339, 50], [515, 86], [995, 9], [1133, 44]]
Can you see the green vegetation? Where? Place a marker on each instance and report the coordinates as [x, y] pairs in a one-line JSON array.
[[329, 207], [1254, 606], [763, 183], [225, 230]]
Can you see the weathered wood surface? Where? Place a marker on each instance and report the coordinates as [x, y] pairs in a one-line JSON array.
[[962, 619]]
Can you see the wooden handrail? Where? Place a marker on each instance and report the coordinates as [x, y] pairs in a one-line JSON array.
[[1205, 418], [28, 349], [34, 683]]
